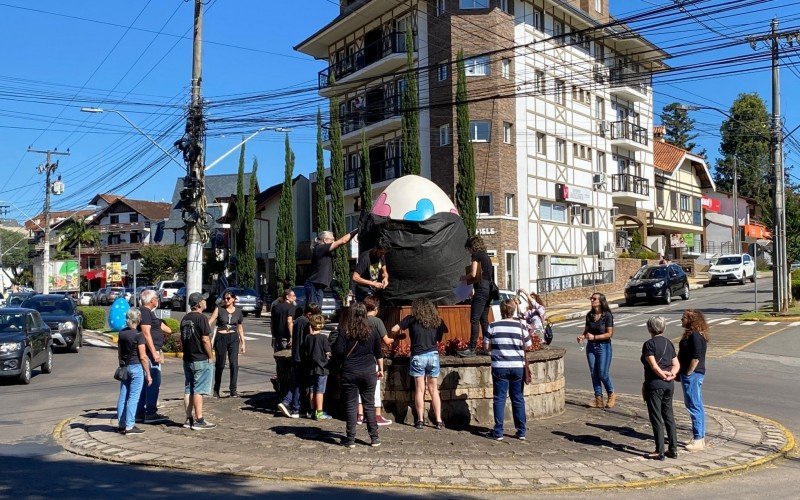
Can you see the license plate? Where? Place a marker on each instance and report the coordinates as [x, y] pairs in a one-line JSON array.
[[248, 308], [641, 295]]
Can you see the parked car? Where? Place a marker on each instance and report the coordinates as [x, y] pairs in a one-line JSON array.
[[166, 289], [17, 298], [662, 282], [64, 320], [112, 294], [331, 303], [178, 301], [99, 296], [86, 298], [25, 343], [129, 296], [2, 299], [247, 300], [736, 267]]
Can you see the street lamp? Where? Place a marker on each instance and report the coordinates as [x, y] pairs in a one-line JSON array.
[[225, 155]]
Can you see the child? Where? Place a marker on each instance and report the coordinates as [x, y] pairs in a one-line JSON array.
[[316, 352]]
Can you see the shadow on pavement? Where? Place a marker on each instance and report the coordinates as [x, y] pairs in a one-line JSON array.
[[592, 440], [625, 431]]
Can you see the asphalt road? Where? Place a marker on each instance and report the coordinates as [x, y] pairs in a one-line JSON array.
[[756, 372]]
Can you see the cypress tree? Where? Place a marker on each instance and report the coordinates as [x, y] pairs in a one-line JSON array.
[[341, 266], [239, 207], [246, 265], [321, 202], [412, 163], [285, 260], [365, 186], [465, 187]]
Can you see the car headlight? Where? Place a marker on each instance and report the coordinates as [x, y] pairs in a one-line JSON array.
[[8, 347], [67, 325], [658, 284]]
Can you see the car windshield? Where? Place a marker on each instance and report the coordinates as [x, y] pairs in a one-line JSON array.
[[243, 291], [650, 273], [729, 261], [47, 305], [12, 322]]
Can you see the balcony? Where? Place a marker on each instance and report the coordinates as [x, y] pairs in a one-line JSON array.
[[629, 136], [385, 170], [380, 57], [124, 227], [122, 247], [375, 119], [628, 84], [629, 188]]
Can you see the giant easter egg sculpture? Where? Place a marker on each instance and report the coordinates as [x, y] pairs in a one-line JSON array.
[[116, 314], [426, 237]]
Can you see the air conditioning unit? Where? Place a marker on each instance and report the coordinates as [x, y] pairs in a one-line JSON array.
[[576, 210], [598, 178], [610, 247], [607, 255], [614, 211]]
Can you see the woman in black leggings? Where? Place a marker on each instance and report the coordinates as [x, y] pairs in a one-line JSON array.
[[228, 340], [480, 275]]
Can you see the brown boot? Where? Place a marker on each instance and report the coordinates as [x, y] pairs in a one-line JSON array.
[[597, 402], [612, 400]]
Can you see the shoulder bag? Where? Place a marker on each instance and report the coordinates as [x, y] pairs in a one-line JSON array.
[[121, 373]]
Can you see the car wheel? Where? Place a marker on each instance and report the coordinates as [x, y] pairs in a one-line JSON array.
[[685, 295], [47, 367], [629, 302], [77, 343], [25, 376], [744, 278], [667, 296], [753, 278], [258, 314], [244, 314]]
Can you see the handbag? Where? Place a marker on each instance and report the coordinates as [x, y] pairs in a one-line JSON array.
[[494, 292], [121, 373], [548, 333], [526, 369]]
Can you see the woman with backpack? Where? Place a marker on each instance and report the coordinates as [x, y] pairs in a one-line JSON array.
[[535, 316]]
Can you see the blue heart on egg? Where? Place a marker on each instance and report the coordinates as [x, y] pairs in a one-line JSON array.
[[423, 211], [116, 315]]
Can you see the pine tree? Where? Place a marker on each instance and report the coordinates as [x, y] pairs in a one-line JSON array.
[[465, 187], [365, 185], [285, 260], [321, 202], [341, 266], [679, 126], [239, 207], [412, 163], [246, 265]]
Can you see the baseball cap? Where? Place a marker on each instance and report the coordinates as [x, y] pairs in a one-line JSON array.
[[196, 297]]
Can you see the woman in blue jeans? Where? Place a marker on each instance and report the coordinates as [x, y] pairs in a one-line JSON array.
[[598, 332], [132, 353], [692, 358]]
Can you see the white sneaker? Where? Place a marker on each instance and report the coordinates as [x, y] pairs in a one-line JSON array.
[[696, 445]]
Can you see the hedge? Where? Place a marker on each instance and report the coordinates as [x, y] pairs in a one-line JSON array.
[[172, 341], [94, 317]]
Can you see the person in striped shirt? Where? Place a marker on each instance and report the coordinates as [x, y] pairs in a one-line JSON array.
[[507, 340]]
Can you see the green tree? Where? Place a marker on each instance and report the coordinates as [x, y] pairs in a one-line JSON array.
[[792, 224], [161, 262], [285, 260], [341, 266], [412, 162], [321, 202], [365, 184], [679, 126], [246, 265], [465, 187], [15, 255], [239, 206]]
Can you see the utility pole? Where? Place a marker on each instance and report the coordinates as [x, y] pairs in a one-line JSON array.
[[3, 213], [737, 246], [780, 278], [192, 146], [47, 168]]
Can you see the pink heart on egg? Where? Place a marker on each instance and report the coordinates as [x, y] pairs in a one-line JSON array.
[[453, 211], [381, 208]]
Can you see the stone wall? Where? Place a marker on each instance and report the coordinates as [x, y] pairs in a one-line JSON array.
[[465, 387], [624, 269]]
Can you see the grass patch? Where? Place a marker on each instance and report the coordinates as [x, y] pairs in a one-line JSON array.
[[766, 314]]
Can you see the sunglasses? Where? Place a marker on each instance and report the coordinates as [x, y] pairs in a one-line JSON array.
[[228, 298], [593, 298]]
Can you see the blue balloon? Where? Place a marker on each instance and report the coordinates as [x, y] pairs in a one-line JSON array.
[[116, 315]]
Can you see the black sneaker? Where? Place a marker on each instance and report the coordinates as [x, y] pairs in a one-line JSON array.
[[467, 353], [671, 454], [188, 423], [419, 424], [155, 418], [491, 435], [216, 394], [201, 425], [133, 430], [375, 442], [347, 443], [233, 394]]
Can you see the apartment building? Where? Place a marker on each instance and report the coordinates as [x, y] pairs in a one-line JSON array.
[[561, 118]]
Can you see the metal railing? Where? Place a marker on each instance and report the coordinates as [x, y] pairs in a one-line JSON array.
[[569, 282], [383, 170], [393, 43], [372, 113], [629, 183], [124, 226], [623, 77], [630, 131]]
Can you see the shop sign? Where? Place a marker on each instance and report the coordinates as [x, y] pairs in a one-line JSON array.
[[710, 204], [573, 194], [487, 231]]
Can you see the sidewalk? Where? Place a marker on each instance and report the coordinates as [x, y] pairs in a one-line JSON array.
[[581, 449]]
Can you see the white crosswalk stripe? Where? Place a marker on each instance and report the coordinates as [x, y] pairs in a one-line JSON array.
[[267, 335], [714, 320], [771, 323], [728, 322], [796, 323], [250, 338], [749, 323]]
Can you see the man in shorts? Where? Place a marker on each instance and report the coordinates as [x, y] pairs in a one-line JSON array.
[[197, 362]]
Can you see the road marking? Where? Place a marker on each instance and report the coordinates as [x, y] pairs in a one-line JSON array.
[[755, 340], [250, 338], [267, 335], [772, 323], [714, 320], [96, 343], [749, 323], [796, 323], [728, 322]]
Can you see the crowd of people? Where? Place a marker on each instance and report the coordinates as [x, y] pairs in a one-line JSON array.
[[355, 353]]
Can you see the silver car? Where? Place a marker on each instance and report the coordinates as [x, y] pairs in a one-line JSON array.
[[247, 300]]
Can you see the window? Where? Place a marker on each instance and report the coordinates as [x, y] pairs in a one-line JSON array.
[[659, 196], [442, 72], [505, 68], [541, 144], [504, 6], [598, 5], [484, 204], [473, 4], [444, 135], [477, 66], [580, 40], [441, 7], [479, 131], [511, 270], [508, 132], [600, 52], [685, 203], [561, 150], [136, 238], [116, 257], [582, 152], [586, 215], [114, 219], [561, 89], [553, 212], [351, 222], [558, 31], [134, 217], [601, 161], [537, 18], [581, 96], [673, 200], [697, 211], [509, 204], [600, 108], [539, 82]]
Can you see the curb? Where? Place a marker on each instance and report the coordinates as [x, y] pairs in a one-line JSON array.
[[779, 319], [783, 452]]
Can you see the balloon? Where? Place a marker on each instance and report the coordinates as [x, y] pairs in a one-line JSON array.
[[116, 315]]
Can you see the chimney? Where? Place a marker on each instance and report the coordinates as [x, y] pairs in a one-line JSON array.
[[658, 133]]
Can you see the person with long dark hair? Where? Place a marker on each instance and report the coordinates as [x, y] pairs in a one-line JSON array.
[[228, 341], [660, 369], [480, 275], [597, 332], [357, 350], [692, 357]]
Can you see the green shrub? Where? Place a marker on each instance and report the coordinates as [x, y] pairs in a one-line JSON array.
[[94, 317], [172, 324], [172, 342], [644, 254]]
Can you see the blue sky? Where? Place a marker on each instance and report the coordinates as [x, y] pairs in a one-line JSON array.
[[54, 64]]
